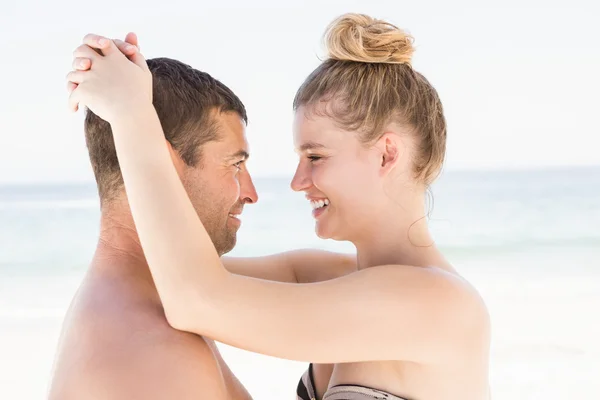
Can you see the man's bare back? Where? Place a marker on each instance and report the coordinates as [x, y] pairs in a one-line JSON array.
[[116, 344]]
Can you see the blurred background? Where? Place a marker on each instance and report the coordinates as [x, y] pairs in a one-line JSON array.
[[517, 208]]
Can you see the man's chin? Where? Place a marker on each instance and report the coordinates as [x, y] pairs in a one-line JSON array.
[[228, 244]]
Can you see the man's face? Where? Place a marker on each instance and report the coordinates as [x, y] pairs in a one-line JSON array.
[[220, 185]]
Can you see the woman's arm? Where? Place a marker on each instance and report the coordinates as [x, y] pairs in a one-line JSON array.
[[296, 266]]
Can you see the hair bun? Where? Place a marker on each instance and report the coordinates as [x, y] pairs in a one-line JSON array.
[[358, 37]]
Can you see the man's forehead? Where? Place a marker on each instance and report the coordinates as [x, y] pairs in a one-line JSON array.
[[230, 122], [233, 135]]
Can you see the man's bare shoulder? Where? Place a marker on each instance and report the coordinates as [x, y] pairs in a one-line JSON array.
[[122, 349]]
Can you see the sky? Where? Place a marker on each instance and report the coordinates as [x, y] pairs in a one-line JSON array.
[[519, 80]]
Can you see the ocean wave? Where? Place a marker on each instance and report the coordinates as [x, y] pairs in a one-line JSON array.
[[51, 204], [507, 246]]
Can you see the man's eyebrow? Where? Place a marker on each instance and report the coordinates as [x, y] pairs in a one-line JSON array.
[[310, 146], [243, 154]]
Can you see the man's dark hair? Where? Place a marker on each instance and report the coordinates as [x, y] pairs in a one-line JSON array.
[[185, 100]]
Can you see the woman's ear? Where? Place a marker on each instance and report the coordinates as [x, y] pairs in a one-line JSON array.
[[391, 149]]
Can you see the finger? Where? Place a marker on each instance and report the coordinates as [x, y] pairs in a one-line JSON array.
[[111, 49], [85, 51], [73, 102], [77, 76], [132, 38], [139, 60], [125, 48], [81, 64], [71, 86], [97, 41]]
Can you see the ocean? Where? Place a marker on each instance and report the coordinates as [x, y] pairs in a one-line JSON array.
[[528, 240]]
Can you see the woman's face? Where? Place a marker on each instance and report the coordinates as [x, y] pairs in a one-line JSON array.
[[340, 176]]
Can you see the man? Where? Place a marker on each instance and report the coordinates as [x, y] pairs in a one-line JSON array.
[[116, 342]]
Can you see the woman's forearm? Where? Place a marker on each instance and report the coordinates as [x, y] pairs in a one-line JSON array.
[[183, 261]]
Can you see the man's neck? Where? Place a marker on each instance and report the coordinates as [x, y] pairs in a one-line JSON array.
[[119, 247]]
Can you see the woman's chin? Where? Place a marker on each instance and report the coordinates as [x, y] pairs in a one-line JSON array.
[[325, 232], [321, 231]]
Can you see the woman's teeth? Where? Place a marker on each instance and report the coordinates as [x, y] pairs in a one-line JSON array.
[[319, 203]]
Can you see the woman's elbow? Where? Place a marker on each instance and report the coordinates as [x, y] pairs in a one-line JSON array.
[[177, 320], [185, 315]]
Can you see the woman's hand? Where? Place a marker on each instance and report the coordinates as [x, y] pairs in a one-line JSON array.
[[129, 47], [115, 84]]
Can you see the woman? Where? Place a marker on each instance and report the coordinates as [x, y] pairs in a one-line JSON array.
[[371, 137]]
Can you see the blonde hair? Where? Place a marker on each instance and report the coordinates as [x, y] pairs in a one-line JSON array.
[[367, 82]]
